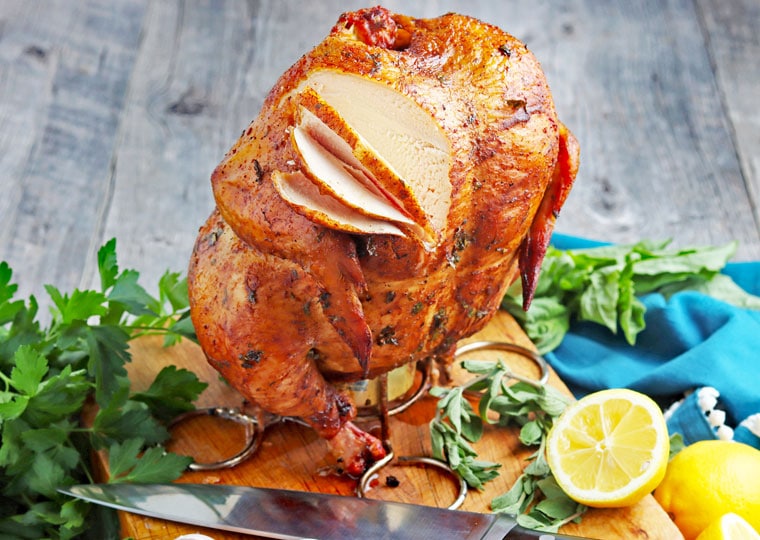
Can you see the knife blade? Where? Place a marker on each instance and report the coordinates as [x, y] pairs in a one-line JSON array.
[[298, 515]]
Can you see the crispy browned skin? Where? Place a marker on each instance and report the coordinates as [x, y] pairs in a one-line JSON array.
[[282, 306], [235, 289]]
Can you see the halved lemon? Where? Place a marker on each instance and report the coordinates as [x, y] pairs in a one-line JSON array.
[[609, 449], [729, 527]]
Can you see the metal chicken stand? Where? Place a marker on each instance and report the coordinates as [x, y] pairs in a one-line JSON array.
[[379, 407]]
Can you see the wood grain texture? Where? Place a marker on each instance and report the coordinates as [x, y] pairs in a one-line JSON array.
[[293, 457], [114, 114], [635, 82], [732, 35], [66, 69]]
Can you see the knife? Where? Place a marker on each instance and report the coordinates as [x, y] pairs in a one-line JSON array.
[[299, 515]]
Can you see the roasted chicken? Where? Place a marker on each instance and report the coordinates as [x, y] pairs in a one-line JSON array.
[[397, 180]]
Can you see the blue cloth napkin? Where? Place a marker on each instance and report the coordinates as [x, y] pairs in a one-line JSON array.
[[690, 341]]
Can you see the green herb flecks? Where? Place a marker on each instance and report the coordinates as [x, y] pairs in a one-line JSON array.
[[535, 497], [603, 285], [49, 373]]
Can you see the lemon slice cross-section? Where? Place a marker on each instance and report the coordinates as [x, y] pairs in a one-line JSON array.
[[610, 448]]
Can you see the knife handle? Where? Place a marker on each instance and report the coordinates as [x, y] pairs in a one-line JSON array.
[[521, 533]]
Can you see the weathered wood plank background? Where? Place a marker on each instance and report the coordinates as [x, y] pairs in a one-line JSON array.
[[114, 113]]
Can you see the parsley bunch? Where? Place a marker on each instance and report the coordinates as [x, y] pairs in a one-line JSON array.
[[535, 497], [49, 374]]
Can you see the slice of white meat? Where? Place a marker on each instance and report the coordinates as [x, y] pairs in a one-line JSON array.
[[305, 198], [330, 140]]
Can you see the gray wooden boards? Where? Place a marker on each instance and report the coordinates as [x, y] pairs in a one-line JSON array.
[[114, 113]]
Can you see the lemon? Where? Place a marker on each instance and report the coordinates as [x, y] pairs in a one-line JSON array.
[[729, 527], [708, 479], [609, 449]]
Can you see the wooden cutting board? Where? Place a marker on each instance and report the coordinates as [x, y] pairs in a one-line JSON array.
[[291, 456]]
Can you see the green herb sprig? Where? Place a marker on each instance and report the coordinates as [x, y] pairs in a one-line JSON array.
[[603, 284], [48, 374], [535, 497]]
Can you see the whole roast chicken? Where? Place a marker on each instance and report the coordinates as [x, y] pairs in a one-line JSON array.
[[397, 180]]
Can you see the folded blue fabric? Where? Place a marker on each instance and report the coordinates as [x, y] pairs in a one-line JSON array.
[[690, 341]]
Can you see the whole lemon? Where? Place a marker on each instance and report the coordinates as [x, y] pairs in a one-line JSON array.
[[708, 479]]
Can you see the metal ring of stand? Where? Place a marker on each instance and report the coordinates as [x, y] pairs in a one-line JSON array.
[[254, 434], [510, 347], [372, 472], [424, 368]]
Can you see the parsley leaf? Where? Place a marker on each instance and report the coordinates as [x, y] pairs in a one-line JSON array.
[[123, 418], [80, 306], [129, 294], [171, 393], [108, 268], [128, 463], [29, 370], [107, 351]]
